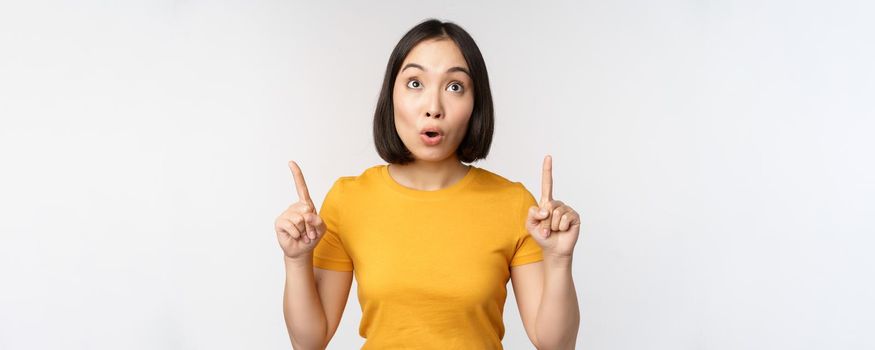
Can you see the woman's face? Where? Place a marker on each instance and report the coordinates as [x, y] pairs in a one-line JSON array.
[[433, 91]]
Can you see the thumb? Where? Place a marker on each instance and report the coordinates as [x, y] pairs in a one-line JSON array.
[[315, 223], [536, 214]]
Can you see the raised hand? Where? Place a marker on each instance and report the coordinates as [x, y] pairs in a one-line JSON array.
[[299, 227], [553, 224]]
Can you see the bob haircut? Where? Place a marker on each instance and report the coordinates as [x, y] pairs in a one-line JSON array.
[[478, 137]]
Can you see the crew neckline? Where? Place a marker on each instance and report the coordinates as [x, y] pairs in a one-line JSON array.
[[426, 194]]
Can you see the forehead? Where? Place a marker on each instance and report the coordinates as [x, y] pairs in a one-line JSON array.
[[436, 54]]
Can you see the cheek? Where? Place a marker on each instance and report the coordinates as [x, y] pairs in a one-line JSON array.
[[462, 104], [461, 111], [404, 109]]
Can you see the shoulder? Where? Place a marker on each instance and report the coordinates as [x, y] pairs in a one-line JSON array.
[[352, 182], [494, 182]]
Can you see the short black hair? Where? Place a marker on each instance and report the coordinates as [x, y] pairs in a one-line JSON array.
[[478, 137]]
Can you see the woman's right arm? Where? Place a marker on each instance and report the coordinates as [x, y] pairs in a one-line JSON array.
[[313, 298]]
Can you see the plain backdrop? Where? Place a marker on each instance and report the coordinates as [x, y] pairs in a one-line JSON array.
[[720, 153]]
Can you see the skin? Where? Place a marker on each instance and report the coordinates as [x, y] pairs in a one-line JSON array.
[[313, 299], [430, 95], [545, 290]]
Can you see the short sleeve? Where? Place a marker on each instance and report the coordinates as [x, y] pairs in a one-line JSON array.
[[527, 249], [330, 253]]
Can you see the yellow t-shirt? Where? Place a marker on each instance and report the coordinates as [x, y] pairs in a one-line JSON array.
[[431, 266]]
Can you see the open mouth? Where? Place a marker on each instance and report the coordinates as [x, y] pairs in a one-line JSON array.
[[431, 138]]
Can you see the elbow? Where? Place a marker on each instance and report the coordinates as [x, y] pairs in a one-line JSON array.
[[296, 346], [309, 344], [556, 345], [567, 341]]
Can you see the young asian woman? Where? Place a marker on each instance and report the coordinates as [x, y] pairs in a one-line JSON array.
[[431, 241]]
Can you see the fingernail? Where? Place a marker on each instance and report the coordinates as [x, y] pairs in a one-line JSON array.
[[543, 212]]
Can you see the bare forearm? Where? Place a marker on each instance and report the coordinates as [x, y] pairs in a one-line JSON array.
[[302, 308], [558, 317]]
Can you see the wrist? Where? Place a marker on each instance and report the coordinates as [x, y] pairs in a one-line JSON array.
[[303, 260], [557, 261]]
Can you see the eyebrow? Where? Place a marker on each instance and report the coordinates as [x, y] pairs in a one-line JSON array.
[[452, 69]]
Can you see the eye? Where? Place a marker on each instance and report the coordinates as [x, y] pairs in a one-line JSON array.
[[414, 84], [455, 87]]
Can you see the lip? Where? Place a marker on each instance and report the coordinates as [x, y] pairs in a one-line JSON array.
[[431, 128], [431, 141]]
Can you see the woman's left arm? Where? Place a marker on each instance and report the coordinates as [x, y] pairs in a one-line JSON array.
[[545, 290]]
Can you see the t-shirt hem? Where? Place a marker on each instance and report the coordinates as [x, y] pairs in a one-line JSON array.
[[329, 264], [526, 259]]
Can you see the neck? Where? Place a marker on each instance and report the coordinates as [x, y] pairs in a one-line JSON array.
[[429, 176]]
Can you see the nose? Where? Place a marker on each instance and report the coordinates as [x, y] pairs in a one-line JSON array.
[[433, 106]]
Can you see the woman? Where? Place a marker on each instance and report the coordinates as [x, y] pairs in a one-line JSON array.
[[432, 241]]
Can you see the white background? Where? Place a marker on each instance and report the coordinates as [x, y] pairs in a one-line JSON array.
[[720, 153]]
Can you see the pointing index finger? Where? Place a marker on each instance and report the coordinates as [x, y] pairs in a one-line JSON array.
[[300, 184], [547, 179]]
